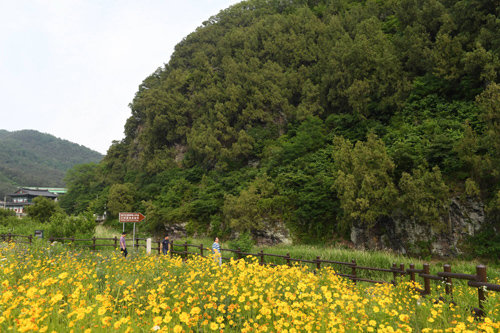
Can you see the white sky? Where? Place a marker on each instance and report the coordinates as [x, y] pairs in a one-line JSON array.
[[71, 67]]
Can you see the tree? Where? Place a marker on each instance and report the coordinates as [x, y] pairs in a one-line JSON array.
[[6, 215], [424, 197], [363, 181], [255, 208], [42, 209], [120, 198], [363, 75], [312, 207], [489, 104], [481, 151], [86, 186]]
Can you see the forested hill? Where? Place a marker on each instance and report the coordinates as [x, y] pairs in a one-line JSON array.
[[31, 158], [317, 114]]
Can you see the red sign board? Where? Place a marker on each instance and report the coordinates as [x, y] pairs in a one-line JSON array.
[[130, 217]]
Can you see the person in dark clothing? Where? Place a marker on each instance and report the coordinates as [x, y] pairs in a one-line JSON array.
[[123, 245], [165, 245]]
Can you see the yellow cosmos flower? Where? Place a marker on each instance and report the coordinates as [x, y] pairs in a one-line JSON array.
[[106, 321], [241, 297], [56, 298], [157, 320], [167, 318], [184, 317]]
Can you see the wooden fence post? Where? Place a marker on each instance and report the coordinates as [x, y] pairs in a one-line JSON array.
[[412, 274], [353, 270], [116, 242], [201, 250], [158, 242], [288, 260], [402, 269], [171, 249], [238, 252], [93, 243], [185, 251], [448, 280], [261, 257], [427, 281], [318, 263], [137, 243], [481, 277], [8, 237], [394, 273]]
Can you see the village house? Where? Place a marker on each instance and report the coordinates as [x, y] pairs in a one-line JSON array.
[[25, 196]]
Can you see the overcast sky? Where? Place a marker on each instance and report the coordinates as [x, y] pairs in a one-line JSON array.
[[71, 67]]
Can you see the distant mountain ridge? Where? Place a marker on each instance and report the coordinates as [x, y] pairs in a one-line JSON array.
[[31, 158]]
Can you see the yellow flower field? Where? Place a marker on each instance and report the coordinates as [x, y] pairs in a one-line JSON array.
[[52, 289]]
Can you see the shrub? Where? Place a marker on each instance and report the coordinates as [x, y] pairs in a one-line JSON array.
[[244, 242], [42, 209], [79, 226]]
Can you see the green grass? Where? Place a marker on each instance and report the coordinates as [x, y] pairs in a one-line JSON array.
[[102, 231]]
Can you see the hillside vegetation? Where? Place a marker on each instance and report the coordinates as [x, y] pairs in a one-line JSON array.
[[318, 115], [31, 158]]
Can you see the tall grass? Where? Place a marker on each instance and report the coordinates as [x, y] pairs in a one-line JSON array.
[[102, 231], [378, 259]]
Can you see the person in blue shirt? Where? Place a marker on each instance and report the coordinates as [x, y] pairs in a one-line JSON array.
[[216, 251]]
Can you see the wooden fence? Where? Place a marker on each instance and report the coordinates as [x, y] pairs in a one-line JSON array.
[[478, 280]]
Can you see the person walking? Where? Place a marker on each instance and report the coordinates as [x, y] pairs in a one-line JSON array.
[[123, 245], [165, 245], [216, 251]]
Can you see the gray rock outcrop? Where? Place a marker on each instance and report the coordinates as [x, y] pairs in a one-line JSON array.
[[405, 235]]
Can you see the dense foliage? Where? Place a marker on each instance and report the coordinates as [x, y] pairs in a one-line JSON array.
[[317, 114], [46, 215], [31, 158]]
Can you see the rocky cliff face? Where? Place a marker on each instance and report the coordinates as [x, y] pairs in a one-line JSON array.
[[273, 235], [408, 237], [278, 234]]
